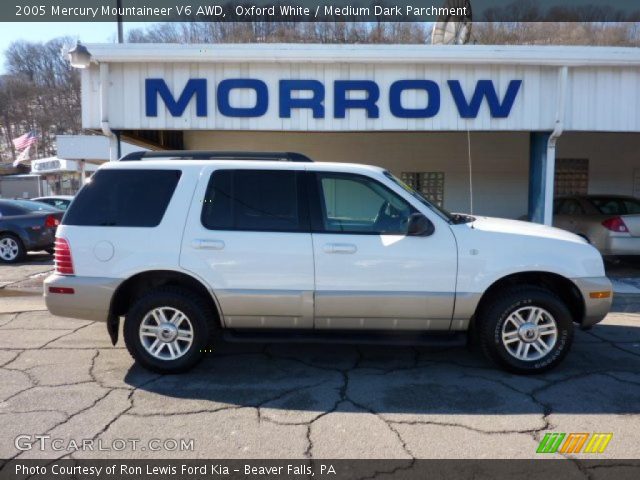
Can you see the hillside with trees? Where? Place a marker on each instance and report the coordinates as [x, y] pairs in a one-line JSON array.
[[39, 92]]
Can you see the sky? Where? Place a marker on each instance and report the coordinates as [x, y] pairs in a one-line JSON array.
[[86, 32]]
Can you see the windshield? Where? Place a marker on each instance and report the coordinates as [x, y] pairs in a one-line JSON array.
[[444, 214], [35, 206], [616, 205]]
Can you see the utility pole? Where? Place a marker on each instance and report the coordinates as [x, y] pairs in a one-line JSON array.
[[119, 20], [120, 40]]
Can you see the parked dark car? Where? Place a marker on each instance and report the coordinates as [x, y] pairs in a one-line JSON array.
[[26, 226]]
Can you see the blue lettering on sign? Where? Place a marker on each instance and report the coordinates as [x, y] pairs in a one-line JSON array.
[[262, 97], [343, 100], [341, 103], [433, 99], [287, 103], [157, 86], [484, 89]]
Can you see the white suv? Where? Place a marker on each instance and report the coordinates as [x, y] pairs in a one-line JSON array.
[[191, 246]]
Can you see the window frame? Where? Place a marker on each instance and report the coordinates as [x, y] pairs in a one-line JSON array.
[[303, 205], [318, 209]]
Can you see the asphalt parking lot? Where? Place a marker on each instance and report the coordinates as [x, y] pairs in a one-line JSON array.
[[62, 377]]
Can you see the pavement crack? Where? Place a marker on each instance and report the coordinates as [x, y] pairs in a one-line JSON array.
[[14, 316], [12, 359], [179, 414], [614, 344], [66, 335], [69, 417], [282, 395], [126, 410]]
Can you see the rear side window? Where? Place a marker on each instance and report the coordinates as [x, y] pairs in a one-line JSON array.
[[123, 198], [570, 207], [616, 205], [252, 200]]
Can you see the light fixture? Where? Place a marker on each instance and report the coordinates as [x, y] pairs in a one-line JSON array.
[[79, 56]]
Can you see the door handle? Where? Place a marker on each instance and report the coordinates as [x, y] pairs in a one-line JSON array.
[[205, 244], [340, 248]]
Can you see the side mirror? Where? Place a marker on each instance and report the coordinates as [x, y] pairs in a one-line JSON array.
[[419, 226]]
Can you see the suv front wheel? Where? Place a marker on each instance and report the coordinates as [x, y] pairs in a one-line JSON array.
[[168, 329], [525, 330]]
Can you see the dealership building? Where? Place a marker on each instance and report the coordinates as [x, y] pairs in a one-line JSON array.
[[496, 130]]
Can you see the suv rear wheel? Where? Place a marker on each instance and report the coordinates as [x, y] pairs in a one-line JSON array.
[[168, 329], [525, 330]]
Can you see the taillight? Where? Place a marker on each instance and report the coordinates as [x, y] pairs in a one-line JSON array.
[[615, 224], [51, 222], [64, 265]]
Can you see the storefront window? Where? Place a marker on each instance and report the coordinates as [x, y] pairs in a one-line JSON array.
[[572, 176], [67, 183]]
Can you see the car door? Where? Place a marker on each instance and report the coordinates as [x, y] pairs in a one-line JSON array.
[[369, 273], [248, 237]]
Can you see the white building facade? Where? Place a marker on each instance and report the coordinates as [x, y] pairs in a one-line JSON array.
[[481, 128]]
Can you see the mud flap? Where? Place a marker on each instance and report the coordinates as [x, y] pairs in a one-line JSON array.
[[113, 324]]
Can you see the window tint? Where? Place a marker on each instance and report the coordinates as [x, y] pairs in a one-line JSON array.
[[257, 200], [60, 204], [616, 205], [123, 198], [570, 207], [357, 204], [557, 205]]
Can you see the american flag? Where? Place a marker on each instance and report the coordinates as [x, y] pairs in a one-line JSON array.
[[26, 140], [23, 157]]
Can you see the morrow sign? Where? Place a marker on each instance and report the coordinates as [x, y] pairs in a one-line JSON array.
[[310, 94]]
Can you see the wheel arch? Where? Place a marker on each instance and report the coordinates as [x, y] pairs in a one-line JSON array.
[[561, 286], [136, 285], [16, 232]]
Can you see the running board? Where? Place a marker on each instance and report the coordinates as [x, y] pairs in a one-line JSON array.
[[441, 339]]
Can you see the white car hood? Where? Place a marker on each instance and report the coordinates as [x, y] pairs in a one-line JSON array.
[[517, 227]]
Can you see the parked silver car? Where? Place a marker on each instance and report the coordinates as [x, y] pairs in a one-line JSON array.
[[610, 222]]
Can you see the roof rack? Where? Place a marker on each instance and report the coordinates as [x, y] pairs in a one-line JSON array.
[[210, 155]]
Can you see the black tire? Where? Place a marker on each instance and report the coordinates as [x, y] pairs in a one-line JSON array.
[[22, 252], [197, 311], [495, 314]]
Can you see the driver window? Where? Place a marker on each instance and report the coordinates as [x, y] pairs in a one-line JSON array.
[[357, 204]]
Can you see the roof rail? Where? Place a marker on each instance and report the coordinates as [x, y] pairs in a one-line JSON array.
[[211, 155]]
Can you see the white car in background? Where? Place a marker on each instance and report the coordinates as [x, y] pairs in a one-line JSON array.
[[187, 244], [611, 223], [61, 202]]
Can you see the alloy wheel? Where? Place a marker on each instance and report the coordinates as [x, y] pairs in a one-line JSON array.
[[166, 333], [9, 249], [529, 333]]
